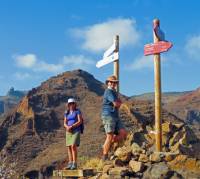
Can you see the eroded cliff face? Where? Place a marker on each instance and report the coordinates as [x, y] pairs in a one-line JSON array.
[[36, 124], [33, 137]]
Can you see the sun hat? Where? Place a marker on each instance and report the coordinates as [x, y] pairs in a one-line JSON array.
[[112, 78], [71, 100]]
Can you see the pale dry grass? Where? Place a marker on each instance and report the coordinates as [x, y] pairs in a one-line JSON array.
[[94, 163]]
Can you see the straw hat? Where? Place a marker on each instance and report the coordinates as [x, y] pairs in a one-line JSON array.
[[112, 78]]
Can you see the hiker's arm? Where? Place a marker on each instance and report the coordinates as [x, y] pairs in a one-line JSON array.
[[68, 128], [115, 101], [78, 123], [65, 122]]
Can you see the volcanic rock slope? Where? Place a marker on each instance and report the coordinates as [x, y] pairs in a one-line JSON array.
[[187, 107], [32, 135], [185, 104]]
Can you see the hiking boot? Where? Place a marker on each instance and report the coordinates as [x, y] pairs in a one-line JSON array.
[[105, 157], [73, 166], [69, 165]]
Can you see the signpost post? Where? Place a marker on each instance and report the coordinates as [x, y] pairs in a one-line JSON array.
[[116, 62], [112, 55], [159, 46], [158, 107]]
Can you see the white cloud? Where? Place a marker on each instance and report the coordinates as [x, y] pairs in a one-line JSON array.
[[48, 67], [68, 62], [30, 61], [77, 60], [21, 76], [99, 37], [193, 46], [142, 62], [26, 61]]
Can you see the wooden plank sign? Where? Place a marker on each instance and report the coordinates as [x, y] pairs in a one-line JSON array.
[[74, 173], [110, 51], [158, 47], [107, 60]]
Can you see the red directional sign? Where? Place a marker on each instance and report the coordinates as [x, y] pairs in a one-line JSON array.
[[158, 47]]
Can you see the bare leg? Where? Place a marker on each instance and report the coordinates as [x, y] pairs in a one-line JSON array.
[[69, 151], [107, 144], [74, 153], [121, 136]]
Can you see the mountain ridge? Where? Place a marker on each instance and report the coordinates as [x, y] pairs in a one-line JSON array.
[[32, 134]]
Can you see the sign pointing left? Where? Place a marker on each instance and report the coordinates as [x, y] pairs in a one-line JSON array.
[[110, 51], [107, 60]]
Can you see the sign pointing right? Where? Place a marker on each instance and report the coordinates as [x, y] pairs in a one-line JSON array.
[[158, 47]]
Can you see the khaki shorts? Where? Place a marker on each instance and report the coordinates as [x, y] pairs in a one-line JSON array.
[[112, 124], [73, 138]]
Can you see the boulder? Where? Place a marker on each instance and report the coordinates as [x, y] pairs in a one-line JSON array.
[[169, 157], [118, 171], [157, 171], [165, 139], [123, 153], [136, 166], [136, 149], [143, 158], [166, 127], [178, 125], [176, 138], [185, 136], [150, 137], [117, 162], [155, 157], [182, 162], [105, 176], [106, 168]]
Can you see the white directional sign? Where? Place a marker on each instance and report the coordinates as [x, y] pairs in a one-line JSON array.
[[107, 60], [110, 50]]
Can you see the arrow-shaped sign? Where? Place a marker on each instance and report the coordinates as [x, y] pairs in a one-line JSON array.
[[106, 60], [110, 51], [158, 47]]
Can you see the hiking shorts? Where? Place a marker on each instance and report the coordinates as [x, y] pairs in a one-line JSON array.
[[112, 124]]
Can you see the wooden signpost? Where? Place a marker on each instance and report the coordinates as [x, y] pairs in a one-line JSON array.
[[116, 62], [112, 55], [159, 46]]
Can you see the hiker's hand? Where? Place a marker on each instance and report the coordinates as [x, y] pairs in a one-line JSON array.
[[69, 128], [118, 103]]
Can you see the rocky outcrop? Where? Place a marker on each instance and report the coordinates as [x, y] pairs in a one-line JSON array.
[[32, 135], [36, 124], [137, 158]]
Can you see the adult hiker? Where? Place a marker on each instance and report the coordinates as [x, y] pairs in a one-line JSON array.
[[113, 126], [72, 124]]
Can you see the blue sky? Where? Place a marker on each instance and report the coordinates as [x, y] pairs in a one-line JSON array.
[[42, 38]]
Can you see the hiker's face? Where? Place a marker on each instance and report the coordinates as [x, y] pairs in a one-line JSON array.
[[112, 84], [71, 106]]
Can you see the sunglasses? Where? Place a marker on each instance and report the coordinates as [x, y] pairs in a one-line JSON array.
[[114, 82]]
